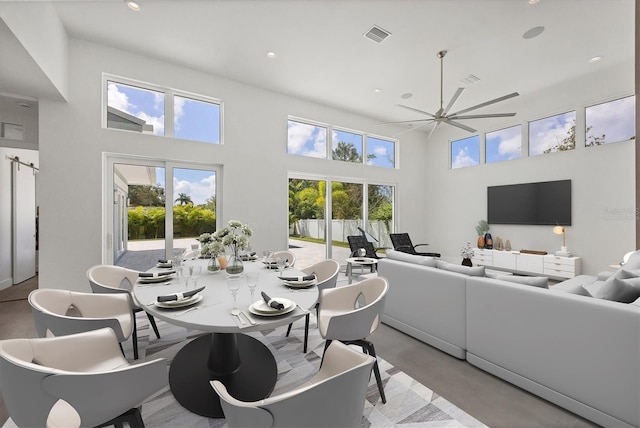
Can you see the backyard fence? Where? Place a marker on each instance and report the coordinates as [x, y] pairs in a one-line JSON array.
[[340, 229]]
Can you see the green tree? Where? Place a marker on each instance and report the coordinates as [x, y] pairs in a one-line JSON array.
[[594, 140], [566, 143], [183, 199], [346, 152], [147, 196]]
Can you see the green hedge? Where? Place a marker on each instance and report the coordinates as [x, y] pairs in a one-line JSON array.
[[188, 220]]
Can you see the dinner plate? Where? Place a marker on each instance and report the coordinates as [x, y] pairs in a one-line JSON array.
[[180, 303], [261, 308], [159, 278], [299, 284]]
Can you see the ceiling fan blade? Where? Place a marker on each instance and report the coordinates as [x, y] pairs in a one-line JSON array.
[[416, 110], [453, 100], [412, 129], [459, 125], [402, 121], [479, 116], [497, 100], [433, 129]]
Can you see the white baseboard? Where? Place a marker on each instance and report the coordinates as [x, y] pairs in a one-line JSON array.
[[6, 283]]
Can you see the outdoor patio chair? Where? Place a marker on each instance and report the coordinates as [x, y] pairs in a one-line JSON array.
[[402, 242]]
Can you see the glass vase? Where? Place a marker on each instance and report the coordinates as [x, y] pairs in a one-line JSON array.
[[213, 266], [234, 266]]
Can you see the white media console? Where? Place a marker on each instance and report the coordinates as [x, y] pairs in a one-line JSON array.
[[532, 264]]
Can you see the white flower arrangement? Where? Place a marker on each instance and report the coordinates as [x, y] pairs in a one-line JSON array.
[[466, 252], [205, 238], [212, 249], [235, 236]]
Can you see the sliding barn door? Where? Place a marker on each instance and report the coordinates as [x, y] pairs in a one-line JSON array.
[[23, 222]]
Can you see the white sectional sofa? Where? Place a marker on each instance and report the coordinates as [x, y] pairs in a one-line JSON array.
[[581, 353]]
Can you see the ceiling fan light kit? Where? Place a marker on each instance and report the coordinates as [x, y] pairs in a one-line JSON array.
[[443, 116]]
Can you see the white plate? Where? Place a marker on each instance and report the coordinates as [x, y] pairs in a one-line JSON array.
[[180, 303], [299, 284], [261, 308], [159, 278]]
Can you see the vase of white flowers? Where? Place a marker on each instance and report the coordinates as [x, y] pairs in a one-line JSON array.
[[467, 253], [212, 250], [236, 237]]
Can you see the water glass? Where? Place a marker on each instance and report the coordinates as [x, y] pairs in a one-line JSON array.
[[233, 284], [281, 263], [184, 272], [252, 282], [195, 272]]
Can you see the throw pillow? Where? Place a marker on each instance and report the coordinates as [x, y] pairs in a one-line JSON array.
[[636, 302], [634, 261], [467, 270], [536, 281], [618, 290], [411, 258], [579, 290]]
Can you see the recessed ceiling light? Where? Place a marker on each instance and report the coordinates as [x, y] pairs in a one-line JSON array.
[[406, 95], [377, 90], [595, 59], [133, 5], [533, 32], [533, 1], [271, 54]]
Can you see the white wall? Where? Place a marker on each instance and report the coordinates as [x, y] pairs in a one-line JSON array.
[[6, 261], [603, 179], [256, 165]]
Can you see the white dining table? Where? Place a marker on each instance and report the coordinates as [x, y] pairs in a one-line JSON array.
[[243, 363]]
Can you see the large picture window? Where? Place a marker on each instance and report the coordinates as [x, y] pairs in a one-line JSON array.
[[465, 152], [137, 107], [503, 144], [553, 134], [611, 122]]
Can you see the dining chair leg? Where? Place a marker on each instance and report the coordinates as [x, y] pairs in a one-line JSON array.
[[376, 370], [289, 329], [306, 332], [326, 345], [152, 321], [134, 338]]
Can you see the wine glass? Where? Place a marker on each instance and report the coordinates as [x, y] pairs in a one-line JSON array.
[[281, 263], [195, 272], [233, 284], [252, 282], [184, 272], [267, 254]]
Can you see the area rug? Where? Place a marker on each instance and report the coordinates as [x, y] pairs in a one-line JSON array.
[[409, 403]]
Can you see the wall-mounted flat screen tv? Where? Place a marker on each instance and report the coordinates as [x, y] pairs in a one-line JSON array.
[[544, 203]]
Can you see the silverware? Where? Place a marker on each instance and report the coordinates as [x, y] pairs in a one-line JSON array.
[[302, 309], [236, 312], [193, 308], [249, 318]]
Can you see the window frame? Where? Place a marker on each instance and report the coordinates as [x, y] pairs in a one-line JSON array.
[[575, 119], [486, 134], [169, 101], [586, 124], [451, 142]]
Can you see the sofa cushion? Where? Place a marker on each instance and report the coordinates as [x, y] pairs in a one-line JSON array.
[[536, 281], [467, 270], [618, 290], [411, 258], [579, 290], [633, 262]]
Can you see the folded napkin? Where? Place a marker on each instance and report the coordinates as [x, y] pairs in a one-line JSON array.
[[298, 278], [164, 261], [155, 274], [273, 303], [179, 296]]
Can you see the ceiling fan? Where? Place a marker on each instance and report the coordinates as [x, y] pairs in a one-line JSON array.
[[443, 116]]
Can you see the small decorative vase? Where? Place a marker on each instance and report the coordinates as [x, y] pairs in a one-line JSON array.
[[234, 266], [480, 243], [467, 262], [507, 246], [488, 241], [213, 266]]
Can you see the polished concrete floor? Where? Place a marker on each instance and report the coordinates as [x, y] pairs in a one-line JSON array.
[[492, 401]]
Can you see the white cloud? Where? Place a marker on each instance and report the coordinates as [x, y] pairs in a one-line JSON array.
[[117, 99], [301, 140], [615, 119], [199, 191], [120, 101], [463, 159], [511, 147]]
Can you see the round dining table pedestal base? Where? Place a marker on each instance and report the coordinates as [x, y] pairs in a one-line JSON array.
[[189, 374]]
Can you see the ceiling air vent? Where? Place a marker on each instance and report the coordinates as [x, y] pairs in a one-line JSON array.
[[377, 34]]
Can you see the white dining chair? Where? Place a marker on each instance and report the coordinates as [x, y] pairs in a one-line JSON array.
[[61, 312], [352, 313], [326, 273], [116, 279], [75, 380], [291, 258], [334, 397]]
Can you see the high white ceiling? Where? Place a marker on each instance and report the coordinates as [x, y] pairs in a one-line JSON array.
[[322, 55]]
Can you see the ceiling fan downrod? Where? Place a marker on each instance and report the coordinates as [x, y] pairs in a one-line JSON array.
[[441, 55]]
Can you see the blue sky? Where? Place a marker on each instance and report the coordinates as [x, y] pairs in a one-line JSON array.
[[548, 132], [465, 152], [504, 144], [200, 185], [615, 119]]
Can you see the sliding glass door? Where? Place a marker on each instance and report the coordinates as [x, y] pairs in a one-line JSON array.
[[156, 206]]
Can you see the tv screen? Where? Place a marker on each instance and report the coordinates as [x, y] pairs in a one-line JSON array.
[[545, 203]]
